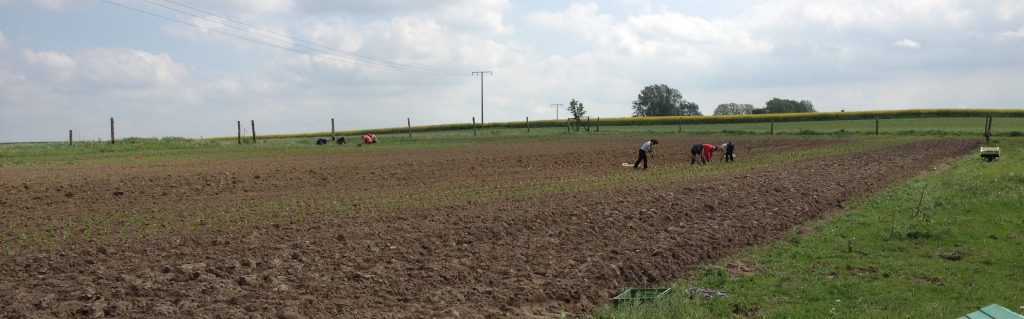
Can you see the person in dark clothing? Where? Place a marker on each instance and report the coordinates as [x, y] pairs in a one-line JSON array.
[[647, 147], [729, 148], [697, 150]]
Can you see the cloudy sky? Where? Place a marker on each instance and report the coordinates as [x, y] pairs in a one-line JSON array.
[[192, 68]]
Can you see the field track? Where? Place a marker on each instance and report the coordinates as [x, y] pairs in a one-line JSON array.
[[518, 258]]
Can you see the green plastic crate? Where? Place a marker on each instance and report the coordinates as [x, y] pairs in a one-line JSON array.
[[992, 311], [989, 153], [634, 296]]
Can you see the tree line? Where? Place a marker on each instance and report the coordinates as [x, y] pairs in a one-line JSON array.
[[661, 100]]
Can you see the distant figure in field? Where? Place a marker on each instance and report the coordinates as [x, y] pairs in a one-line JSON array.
[[644, 149], [728, 156], [341, 140], [704, 151], [321, 141], [369, 139]]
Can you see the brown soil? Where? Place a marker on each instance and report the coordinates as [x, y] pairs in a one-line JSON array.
[[569, 251], [74, 189]]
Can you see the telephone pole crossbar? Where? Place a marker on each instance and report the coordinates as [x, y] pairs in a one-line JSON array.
[[557, 106]]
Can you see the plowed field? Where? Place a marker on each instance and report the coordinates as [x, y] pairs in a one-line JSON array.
[[562, 226]]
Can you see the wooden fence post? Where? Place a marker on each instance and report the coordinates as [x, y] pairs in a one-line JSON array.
[[990, 119], [474, 126], [111, 130], [239, 131], [568, 125], [598, 123], [332, 128], [253, 123], [408, 122], [876, 125], [988, 129], [771, 131], [71, 139], [527, 124]]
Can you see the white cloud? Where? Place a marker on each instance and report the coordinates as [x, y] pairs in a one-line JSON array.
[[419, 40], [837, 53], [221, 30], [379, 7], [225, 86], [53, 4], [1009, 10], [127, 67], [126, 72], [485, 15], [1019, 33], [907, 43], [846, 14], [673, 36], [260, 7], [58, 66]]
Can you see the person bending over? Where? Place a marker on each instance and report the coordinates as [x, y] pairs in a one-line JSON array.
[[647, 147], [703, 151], [709, 152], [369, 139], [696, 151]]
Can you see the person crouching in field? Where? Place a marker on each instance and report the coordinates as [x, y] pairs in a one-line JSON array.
[[644, 149], [704, 151], [728, 147], [369, 139]]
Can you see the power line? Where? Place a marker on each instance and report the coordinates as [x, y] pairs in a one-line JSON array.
[[275, 35], [331, 55], [516, 92]]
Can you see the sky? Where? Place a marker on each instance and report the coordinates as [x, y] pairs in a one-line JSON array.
[[193, 68]]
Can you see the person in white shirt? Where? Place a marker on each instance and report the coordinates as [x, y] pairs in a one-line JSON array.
[[729, 148], [644, 149]]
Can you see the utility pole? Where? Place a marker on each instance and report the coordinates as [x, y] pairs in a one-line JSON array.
[[557, 106], [481, 73]]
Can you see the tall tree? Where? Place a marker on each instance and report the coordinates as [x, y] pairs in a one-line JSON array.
[[777, 105], [734, 109], [576, 109], [660, 99]]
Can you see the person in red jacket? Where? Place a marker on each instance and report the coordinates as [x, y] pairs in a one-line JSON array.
[[369, 139], [704, 151], [709, 151]]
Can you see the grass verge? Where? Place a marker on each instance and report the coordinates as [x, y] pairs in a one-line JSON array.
[[939, 246]]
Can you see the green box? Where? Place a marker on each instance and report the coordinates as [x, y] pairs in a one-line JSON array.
[[635, 296], [989, 153]]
